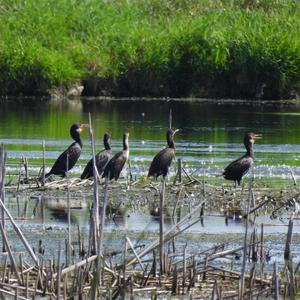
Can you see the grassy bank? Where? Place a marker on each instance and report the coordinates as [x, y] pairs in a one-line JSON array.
[[209, 48]]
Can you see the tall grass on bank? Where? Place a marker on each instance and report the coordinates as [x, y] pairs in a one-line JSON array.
[[179, 48]]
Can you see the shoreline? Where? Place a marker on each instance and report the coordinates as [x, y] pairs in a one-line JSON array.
[[152, 99]]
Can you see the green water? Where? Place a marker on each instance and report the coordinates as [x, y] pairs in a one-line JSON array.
[[211, 132]]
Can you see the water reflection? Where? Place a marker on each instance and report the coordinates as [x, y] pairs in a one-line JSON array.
[[49, 212]]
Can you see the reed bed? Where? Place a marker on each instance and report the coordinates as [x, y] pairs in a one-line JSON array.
[[236, 49], [83, 269]]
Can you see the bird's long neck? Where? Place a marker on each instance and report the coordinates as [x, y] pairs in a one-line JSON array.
[[106, 144], [249, 148], [77, 139], [125, 144], [170, 141]]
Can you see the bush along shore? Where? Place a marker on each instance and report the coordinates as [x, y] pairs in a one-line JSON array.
[[161, 48]]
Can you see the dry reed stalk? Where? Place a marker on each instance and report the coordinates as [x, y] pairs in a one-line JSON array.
[[68, 252], [161, 227], [27, 285], [191, 178], [11, 256], [21, 267], [184, 269], [179, 170], [19, 178], [58, 272], [135, 253], [44, 163], [291, 279], [203, 180], [214, 291], [178, 176], [97, 238], [276, 282], [4, 269], [293, 177], [123, 281], [287, 250], [252, 277], [25, 163], [80, 243], [174, 281], [262, 243], [242, 280], [176, 204], [65, 288]]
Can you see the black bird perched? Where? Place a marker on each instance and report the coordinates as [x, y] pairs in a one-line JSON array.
[[240, 167], [72, 152], [162, 160], [117, 162], [101, 159]]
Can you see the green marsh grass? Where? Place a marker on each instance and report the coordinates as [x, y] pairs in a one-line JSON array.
[[213, 48]]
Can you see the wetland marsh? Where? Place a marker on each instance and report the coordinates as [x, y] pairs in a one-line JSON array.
[[210, 136]]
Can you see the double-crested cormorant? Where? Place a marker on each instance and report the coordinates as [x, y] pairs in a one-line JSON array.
[[117, 162], [73, 153], [162, 160], [101, 159], [238, 168]]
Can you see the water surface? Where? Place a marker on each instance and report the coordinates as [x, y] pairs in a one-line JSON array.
[[211, 132]]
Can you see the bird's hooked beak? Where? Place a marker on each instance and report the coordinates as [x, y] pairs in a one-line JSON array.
[[81, 126], [256, 137], [176, 130]]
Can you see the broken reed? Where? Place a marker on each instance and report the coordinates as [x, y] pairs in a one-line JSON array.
[[193, 275]]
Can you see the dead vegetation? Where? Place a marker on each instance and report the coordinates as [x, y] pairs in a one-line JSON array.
[[85, 270]]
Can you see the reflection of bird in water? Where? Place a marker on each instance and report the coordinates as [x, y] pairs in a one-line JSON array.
[[117, 162], [70, 156], [162, 161], [101, 159], [240, 167]]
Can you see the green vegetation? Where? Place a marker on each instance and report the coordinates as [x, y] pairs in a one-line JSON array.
[[177, 48]]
